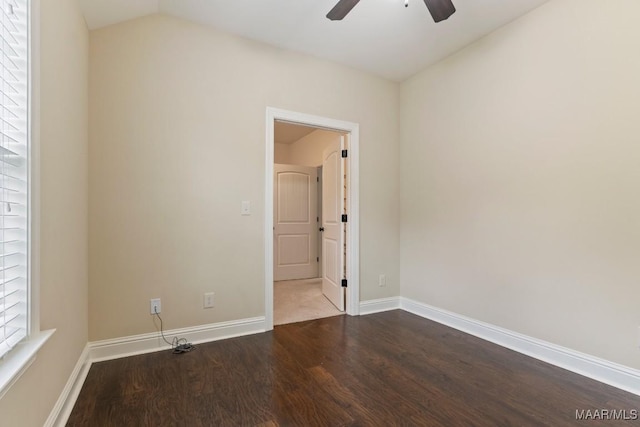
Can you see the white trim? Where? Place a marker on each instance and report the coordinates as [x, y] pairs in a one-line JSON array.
[[268, 220], [377, 305], [17, 361], [353, 209], [616, 375], [60, 413], [353, 203], [34, 170], [151, 342]]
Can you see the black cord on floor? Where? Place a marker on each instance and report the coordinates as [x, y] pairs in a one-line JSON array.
[[178, 345]]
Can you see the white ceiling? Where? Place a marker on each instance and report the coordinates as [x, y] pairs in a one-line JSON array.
[[378, 36]]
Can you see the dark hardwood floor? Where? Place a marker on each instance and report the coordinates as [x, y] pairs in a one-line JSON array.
[[385, 369]]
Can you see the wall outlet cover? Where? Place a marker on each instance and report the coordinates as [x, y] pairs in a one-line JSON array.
[[155, 306], [382, 280], [245, 209]]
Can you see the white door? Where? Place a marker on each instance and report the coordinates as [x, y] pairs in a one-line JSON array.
[[295, 238], [333, 234]]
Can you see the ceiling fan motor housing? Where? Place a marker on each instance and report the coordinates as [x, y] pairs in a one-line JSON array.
[[439, 9]]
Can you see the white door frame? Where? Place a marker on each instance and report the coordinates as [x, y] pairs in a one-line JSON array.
[[353, 206]]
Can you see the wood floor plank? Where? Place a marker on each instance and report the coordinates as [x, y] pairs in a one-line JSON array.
[[384, 369], [442, 370]]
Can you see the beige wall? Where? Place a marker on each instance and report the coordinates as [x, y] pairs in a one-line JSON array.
[[519, 160], [519, 173], [281, 153], [177, 141], [307, 151], [64, 214]]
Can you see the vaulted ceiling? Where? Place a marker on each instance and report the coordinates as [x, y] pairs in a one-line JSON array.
[[378, 36], [288, 133]]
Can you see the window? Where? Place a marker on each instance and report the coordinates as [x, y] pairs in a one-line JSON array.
[[14, 173]]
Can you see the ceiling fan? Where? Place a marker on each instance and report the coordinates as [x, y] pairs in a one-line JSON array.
[[439, 9]]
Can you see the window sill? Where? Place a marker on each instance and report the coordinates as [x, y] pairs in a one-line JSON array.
[[20, 358]]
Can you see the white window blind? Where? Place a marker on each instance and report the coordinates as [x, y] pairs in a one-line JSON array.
[[14, 149]]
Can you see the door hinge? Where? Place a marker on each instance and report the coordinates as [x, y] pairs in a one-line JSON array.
[[344, 154], [344, 218], [317, 179], [344, 283], [321, 229], [317, 259]]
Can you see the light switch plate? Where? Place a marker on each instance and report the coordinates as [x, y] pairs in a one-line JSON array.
[[208, 300]]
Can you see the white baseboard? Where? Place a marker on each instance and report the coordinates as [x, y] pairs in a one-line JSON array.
[[589, 366], [377, 305], [62, 409], [598, 369], [148, 343]]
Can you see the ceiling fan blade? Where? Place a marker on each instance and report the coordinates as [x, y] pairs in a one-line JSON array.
[[440, 9], [341, 9]]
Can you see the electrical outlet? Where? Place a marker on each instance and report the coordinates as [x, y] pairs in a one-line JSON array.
[[382, 280], [208, 300], [155, 306]]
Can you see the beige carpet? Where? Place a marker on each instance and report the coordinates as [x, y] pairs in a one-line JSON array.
[[300, 300]]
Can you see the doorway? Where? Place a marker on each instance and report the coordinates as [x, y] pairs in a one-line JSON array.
[[307, 243], [342, 213]]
